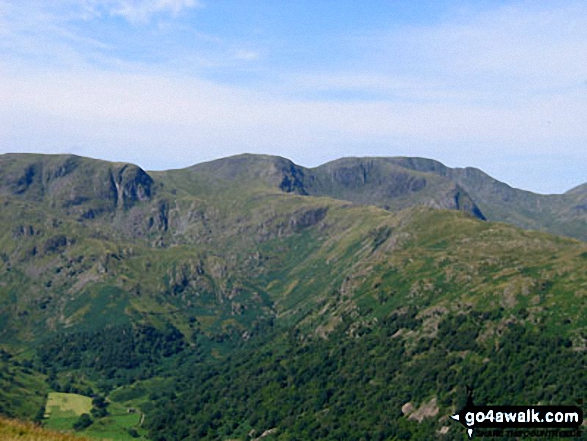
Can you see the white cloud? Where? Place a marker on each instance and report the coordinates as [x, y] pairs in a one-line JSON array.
[[472, 91], [135, 11], [131, 111], [142, 10]]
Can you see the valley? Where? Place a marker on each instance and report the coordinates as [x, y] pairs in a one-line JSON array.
[[251, 297]]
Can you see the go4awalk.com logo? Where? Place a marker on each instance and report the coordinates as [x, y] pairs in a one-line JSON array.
[[520, 421]]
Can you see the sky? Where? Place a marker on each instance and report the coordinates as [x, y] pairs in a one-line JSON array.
[[499, 85]]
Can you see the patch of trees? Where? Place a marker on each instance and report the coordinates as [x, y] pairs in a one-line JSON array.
[[354, 388], [99, 407], [115, 353], [82, 422], [22, 394]]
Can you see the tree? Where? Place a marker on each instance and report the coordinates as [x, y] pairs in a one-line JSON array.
[[83, 421]]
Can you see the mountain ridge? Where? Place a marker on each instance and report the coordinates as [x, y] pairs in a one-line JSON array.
[[310, 295], [392, 183], [395, 183]]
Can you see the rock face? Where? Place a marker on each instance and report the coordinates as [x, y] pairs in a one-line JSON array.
[[381, 182], [131, 184], [76, 184], [363, 181], [293, 179]]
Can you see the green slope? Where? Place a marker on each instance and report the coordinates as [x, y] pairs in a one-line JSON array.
[[128, 283], [22, 390]]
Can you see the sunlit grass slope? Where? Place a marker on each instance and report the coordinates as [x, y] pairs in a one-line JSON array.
[[14, 430]]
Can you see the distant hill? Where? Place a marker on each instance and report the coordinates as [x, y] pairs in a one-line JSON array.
[[564, 214], [389, 183], [368, 181], [579, 190], [398, 183]]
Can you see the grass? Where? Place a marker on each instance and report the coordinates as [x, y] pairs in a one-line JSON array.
[[59, 402], [22, 391], [14, 430], [64, 409], [115, 426]]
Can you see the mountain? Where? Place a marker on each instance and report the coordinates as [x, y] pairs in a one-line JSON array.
[[67, 182], [398, 183], [367, 181], [381, 182], [250, 295], [564, 214], [579, 190]]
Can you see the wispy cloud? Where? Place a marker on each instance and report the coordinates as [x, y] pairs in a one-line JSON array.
[[139, 11], [499, 54], [247, 55], [463, 90]]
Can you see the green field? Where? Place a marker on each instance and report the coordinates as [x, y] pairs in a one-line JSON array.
[[115, 426], [61, 404], [64, 409]]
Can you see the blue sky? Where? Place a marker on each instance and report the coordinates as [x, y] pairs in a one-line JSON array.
[[499, 85]]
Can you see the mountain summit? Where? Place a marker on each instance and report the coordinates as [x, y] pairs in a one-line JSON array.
[[90, 187], [396, 183]]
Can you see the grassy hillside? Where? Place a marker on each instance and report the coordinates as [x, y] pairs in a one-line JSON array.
[[22, 390], [437, 303], [252, 296], [13, 430]]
